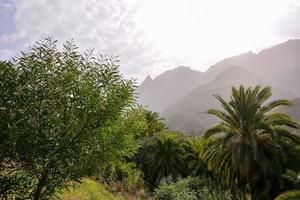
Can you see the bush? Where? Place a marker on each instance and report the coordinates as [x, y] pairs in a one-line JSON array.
[[191, 188], [125, 174]]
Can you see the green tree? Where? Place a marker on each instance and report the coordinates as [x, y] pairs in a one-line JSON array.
[[291, 166], [59, 116], [161, 156], [247, 151], [194, 156], [155, 123]]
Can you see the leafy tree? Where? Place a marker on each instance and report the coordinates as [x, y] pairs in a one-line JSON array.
[[161, 156], [60, 112], [247, 151]]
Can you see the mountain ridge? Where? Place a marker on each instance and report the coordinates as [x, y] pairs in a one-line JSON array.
[[277, 66]]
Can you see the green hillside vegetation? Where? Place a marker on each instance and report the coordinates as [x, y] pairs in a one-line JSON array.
[[88, 189], [91, 189], [70, 128]]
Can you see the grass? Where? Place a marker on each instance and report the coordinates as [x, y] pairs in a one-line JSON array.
[[88, 190], [92, 190]]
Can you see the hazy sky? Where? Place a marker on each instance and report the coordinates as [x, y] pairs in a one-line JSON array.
[[151, 36]]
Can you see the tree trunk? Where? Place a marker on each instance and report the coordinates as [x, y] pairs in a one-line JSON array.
[[41, 184]]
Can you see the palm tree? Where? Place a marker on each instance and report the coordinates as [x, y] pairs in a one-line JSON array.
[[194, 160], [247, 151], [290, 195], [161, 156], [154, 122]]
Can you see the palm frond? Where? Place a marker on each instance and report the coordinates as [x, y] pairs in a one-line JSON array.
[[282, 132], [219, 128], [274, 104]]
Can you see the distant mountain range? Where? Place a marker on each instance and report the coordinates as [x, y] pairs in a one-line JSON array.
[[182, 96]]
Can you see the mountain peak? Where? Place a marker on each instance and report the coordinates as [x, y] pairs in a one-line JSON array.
[[147, 80]]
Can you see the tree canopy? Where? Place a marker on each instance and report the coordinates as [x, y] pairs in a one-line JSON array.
[[59, 113], [248, 151]]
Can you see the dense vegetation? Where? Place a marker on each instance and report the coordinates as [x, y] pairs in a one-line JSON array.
[[70, 128]]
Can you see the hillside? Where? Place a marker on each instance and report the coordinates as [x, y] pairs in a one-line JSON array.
[[188, 113], [168, 87], [278, 65]]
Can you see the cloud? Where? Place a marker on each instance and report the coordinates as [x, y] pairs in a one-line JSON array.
[[5, 5], [109, 27], [288, 24], [149, 36]]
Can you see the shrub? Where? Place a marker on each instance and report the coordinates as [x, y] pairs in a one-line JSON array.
[[191, 188]]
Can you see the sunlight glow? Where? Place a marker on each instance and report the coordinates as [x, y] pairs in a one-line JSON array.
[[202, 30]]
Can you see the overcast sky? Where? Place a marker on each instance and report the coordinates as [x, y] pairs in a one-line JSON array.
[[151, 36]]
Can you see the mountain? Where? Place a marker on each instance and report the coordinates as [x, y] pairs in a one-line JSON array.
[[182, 95], [168, 87], [188, 113], [244, 60], [290, 80], [293, 111], [277, 65]]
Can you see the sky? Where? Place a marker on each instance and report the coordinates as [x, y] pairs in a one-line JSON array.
[[151, 36]]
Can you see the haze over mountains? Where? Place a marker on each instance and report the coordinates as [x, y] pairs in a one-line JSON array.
[[182, 96], [168, 87]]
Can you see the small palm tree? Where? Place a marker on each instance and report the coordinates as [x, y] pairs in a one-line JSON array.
[[154, 122], [194, 156], [161, 156], [247, 150]]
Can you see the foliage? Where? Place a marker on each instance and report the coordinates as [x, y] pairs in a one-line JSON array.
[[125, 173], [290, 195], [146, 122], [91, 189], [60, 114], [191, 188], [87, 189], [155, 124], [135, 122], [194, 156], [291, 166], [247, 150], [161, 156], [167, 190]]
